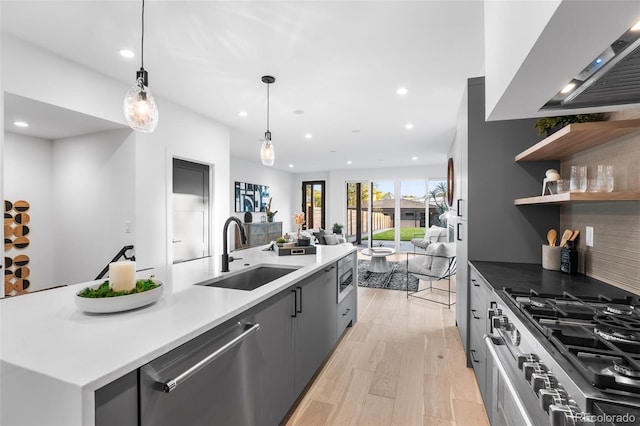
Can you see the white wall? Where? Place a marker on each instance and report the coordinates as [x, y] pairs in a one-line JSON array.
[[28, 176], [282, 189], [180, 132], [93, 195]]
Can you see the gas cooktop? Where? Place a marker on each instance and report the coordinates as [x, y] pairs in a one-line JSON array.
[[600, 336]]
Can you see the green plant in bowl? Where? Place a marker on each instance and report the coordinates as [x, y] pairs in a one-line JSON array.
[[105, 290]]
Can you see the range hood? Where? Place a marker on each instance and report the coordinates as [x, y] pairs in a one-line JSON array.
[[612, 78]]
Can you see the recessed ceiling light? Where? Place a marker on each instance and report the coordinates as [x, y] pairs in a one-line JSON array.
[[569, 87], [308, 136], [298, 112], [636, 27], [126, 53], [21, 124], [242, 113], [349, 162], [414, 158], [402, 91], [408, 126], [290, 165]]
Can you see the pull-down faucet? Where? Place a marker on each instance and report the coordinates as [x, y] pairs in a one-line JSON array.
[[243, 236]]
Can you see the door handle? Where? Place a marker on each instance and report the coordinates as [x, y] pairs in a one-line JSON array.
[[171, 384], [458, 233], [473, 313], [300, 306], [472, 352], [458, 213]]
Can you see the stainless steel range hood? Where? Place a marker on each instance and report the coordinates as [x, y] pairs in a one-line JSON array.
[[612, 78]]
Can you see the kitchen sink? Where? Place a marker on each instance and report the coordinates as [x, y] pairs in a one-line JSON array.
[[250, 278]]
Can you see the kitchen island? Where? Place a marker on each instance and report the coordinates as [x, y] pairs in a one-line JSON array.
[[54, 358]]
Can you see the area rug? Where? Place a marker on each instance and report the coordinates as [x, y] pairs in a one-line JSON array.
[[395, 279]]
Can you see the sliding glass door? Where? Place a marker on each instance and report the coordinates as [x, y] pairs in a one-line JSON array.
[[383, 214], [413, 212]]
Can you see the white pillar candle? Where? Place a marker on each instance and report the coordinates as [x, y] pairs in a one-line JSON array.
[[122, 275]]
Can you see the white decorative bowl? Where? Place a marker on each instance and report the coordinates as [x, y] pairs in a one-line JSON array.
[[105, 305]]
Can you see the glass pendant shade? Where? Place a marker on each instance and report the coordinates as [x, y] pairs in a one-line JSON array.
[[140, 109], [267, 153]]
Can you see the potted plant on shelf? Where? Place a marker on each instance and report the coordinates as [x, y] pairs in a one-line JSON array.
[[550, 125], [270, 214], [337, 228]]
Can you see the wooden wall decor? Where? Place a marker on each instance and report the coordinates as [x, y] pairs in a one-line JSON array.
[[16, 231]]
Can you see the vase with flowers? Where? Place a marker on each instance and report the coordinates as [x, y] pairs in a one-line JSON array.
[[298, 219]]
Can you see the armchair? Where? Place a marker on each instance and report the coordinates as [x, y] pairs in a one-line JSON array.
[[438, 263]]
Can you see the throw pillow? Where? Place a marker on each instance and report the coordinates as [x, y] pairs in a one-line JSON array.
[[443, 252], [331, 239], [320, 237]]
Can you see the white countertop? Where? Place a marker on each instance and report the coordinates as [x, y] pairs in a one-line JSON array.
[[48, 345]]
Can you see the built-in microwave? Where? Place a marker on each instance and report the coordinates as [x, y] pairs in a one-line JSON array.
[[346, 275]]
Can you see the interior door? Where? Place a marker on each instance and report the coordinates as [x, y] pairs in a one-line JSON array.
[[190, 211]]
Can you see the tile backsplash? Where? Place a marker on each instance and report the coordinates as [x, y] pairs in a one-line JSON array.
[[615, 255]]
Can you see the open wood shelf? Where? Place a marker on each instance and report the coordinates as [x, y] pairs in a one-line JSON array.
[[578, 137], [567, 197]]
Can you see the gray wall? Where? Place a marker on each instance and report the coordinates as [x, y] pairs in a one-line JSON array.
[[498, 230]]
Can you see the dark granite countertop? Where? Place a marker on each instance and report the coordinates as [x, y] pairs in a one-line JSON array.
[[525, 276]]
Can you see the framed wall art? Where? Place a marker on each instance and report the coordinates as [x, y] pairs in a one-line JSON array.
[[251, 197]]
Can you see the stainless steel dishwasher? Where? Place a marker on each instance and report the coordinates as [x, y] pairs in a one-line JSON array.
[[206, 381]]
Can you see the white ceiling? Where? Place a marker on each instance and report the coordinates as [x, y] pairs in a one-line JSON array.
[[51, 122], [340, 62]]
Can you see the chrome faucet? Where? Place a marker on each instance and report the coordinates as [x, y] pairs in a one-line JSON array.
[[243, 236]]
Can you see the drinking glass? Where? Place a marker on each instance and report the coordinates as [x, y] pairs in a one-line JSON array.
[[582, 178], [573, 180], [609, 179], [601, 177]]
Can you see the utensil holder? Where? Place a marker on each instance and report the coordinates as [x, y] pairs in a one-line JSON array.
[[551, 257]]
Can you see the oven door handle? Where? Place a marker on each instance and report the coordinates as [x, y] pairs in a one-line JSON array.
[[491, 342]]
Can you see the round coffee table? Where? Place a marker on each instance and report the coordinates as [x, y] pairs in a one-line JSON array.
[[378, 258]]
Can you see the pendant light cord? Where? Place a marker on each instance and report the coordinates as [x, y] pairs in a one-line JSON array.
[[268, 106], [142, 41]]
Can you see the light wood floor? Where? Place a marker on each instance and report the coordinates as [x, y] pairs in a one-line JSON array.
[[401, 364]]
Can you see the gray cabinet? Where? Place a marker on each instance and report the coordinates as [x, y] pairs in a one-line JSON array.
[[117, 402], [314, 324], [490, 227], [259, 234], [480, 298], [275, 358]]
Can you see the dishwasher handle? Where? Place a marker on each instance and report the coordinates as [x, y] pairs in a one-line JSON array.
[[171, 384]]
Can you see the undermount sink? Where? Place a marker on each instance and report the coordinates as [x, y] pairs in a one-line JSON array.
[[250, 278]]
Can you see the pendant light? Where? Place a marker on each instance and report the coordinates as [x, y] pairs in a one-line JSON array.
[[267, 154], [139, 107]]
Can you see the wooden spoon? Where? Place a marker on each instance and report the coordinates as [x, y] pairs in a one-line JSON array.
[[574, 235], [565, 237], [551, 237]]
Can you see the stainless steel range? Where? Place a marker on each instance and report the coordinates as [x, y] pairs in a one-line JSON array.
[[565, 360]]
